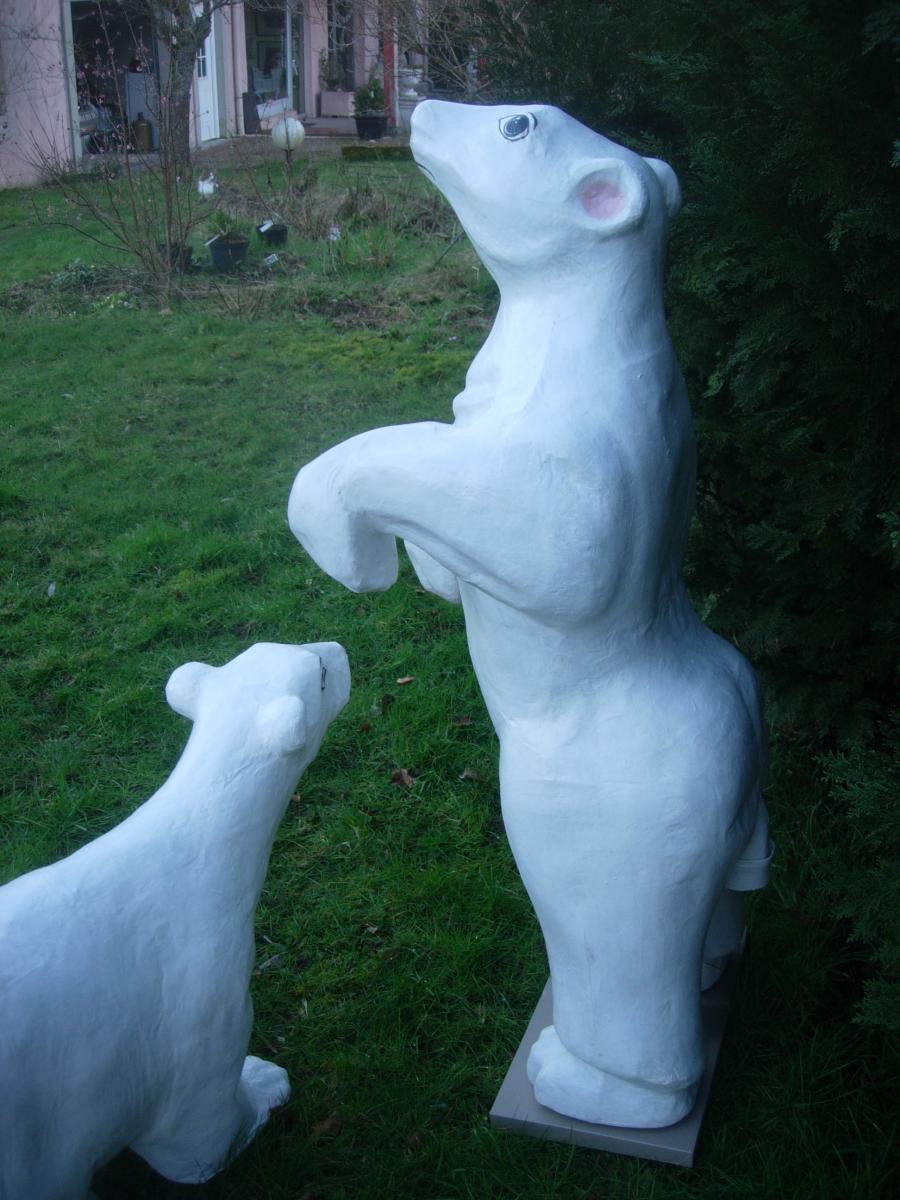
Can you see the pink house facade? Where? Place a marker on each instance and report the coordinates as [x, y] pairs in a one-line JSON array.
[[78, 77]]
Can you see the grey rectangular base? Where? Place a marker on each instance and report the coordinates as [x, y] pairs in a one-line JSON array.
[[517, 1110]]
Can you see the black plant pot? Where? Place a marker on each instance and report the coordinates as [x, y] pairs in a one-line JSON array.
[[178, 257], [370, 127], [228, 256], [275, 235]]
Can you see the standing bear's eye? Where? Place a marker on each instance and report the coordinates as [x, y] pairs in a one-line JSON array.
[[514, 128]]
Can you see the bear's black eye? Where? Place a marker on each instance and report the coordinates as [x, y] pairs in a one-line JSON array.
[[324, 675], [514, 128]]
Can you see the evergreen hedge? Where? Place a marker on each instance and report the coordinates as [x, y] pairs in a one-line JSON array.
[[780, 119]]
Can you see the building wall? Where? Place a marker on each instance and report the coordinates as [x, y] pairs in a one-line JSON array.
[[317, 45], [367, 47], [365, 43], [37, 90], [34, 81], [234, 68]]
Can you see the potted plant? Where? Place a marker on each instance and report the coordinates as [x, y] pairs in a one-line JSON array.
[[176, 256], [368, 108], [334, 101], [273, 231], [230, 237], [330, 74]]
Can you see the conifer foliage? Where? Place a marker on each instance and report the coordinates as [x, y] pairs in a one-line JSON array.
[[780, 118]]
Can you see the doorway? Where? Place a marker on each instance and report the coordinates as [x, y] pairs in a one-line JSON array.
[[206, 92], [275, 60], [115, 69]]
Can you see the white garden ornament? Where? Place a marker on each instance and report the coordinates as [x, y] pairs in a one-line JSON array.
[[124, 968], [556, 508], [288, 134]]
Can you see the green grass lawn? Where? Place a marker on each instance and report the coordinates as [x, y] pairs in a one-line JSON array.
[[147, 457]]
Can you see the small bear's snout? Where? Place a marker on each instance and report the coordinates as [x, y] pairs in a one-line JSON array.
[[334, 674]]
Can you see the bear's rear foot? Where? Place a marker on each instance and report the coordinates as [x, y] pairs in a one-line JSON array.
[[574, 1088], [264, 1086]]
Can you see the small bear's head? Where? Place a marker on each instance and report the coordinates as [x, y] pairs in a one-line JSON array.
[[273, 700], [538, 192]]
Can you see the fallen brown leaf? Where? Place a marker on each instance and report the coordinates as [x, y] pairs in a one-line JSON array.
[[330, 1127], [402, 778], [405, 679], [465, 720], [468, 773]]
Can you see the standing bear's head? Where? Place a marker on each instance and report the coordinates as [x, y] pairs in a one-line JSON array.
[[538, 192]]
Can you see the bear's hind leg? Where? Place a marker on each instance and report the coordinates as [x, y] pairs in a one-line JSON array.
[[624, 919], [724, 937]]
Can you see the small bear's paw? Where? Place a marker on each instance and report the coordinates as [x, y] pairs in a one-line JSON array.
[[574, 1088], [265, 1086]]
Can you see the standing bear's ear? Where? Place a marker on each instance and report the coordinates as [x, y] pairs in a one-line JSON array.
[[609, 197], [282, 725], [183, 688], [668, 181]]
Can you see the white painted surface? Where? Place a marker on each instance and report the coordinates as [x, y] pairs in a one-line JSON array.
[[124, 968], [288, 134], [40, 110], [206, 96], [556, 508]]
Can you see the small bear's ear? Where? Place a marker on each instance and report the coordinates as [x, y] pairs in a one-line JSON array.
[[183, 688], [610, 196], [669, 183], [282, 724]]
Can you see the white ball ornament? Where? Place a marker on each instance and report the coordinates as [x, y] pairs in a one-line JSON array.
[[288, 133]]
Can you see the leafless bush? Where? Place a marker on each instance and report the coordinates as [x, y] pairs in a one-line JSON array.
[[363, 204], [429, 215], [142, 203], [297, 200], [373, 249]]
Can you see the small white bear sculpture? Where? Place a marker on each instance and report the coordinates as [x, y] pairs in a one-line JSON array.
[[124, 968], [556, 508]]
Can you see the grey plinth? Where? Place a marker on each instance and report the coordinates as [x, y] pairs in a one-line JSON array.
[[517, 1110]]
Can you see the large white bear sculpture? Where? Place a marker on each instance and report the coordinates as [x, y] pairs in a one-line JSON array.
[[124, 968], [556, 508]]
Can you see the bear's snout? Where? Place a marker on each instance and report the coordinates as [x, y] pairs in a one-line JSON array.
[[334, 674]]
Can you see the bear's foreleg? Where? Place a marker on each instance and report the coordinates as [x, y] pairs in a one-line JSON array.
[[263, 1087], [201, 1139], [446, 493]]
